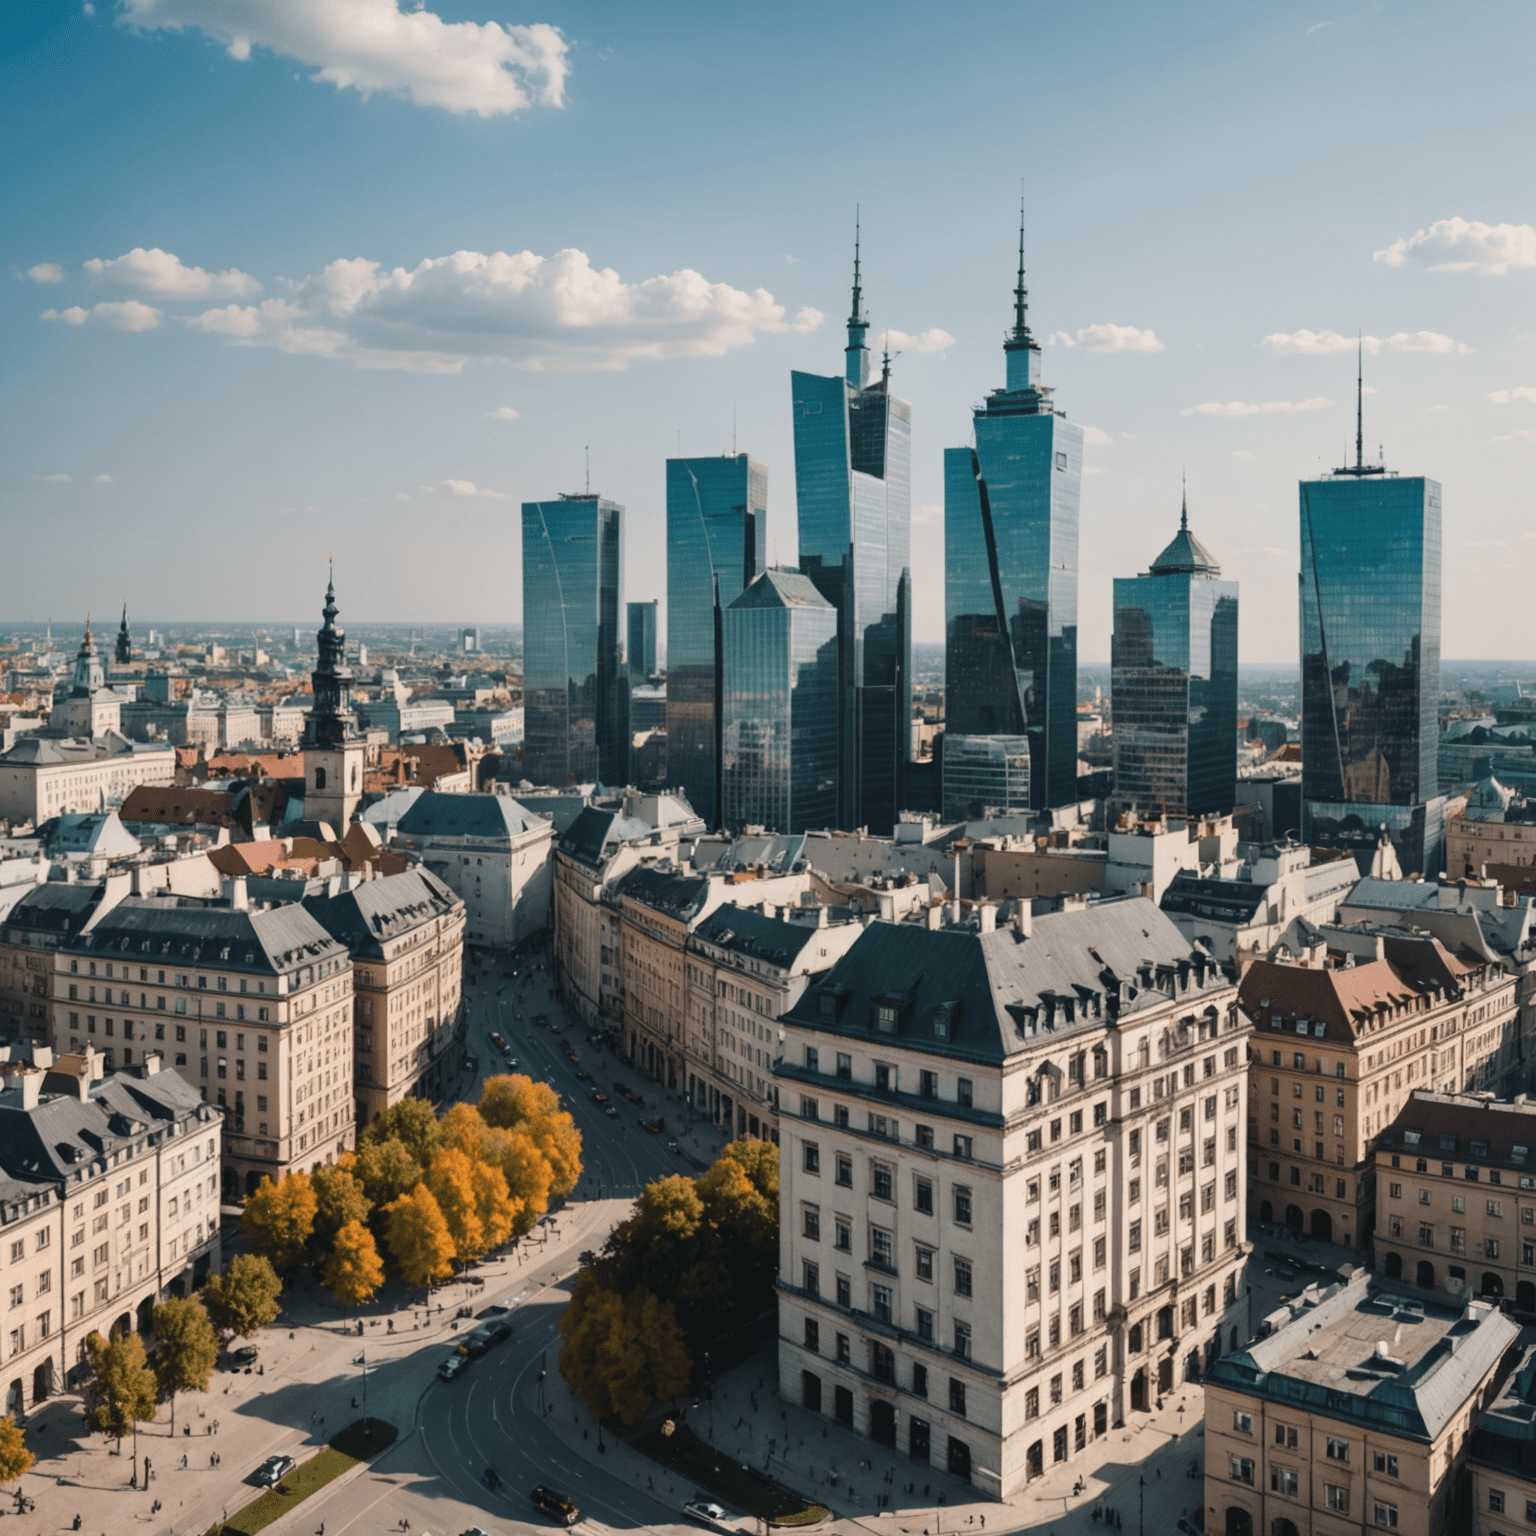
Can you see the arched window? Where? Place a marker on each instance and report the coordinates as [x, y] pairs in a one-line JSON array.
[[319, 778]]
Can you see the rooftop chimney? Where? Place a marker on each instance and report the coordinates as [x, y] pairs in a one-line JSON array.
[[31, 1086], [987, 914]]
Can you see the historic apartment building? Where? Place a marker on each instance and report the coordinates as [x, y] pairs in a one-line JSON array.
[[1338, 1047], [253, 1008], [1356, 1413], [1012, 1184], [109, 1203], [1503, 1458], [47, 917], [1456, 1197], [405, 934]]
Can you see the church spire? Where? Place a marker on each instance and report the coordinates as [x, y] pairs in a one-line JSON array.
[[124, 652], [856, 353], [330, 716]]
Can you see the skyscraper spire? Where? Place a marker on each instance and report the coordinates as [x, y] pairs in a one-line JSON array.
[[1021, 336], [857, 353], [1020, 349], [1360, 467], [1184, 501]]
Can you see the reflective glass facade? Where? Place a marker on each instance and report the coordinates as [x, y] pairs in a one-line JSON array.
[[575, 686], [1174, 686], [780, 706], [1010, 573], [1370, 663], [640, 651], [717, 520], [984, 773]]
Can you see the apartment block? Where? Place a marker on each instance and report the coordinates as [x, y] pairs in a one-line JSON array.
[[1456, 1197], [109, 1203], [1011, 1187], [252, 1008], [1338, 1045], [1354, 1413]]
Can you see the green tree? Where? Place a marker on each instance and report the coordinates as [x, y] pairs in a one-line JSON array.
[[279, 1219], [354, 1270], [410, 1122], [339, 1199], [15, 1458], [123, 1391], [245, 1297], [419, 1238], [186, 1348], [621, 1353]]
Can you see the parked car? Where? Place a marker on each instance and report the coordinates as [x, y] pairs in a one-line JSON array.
[[273, 1470], [672, 1146], [655, 1127], [583, 1077], [599, 1097], [498, 1042], [703, 1510], [556, 1505], [512, 1062], [611, 1112], [452, 1366], [244, 1358]]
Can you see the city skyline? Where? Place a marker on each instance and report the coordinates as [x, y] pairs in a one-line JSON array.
[[1211, 353]]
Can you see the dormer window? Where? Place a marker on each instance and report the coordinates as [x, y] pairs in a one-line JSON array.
[[885, 1018], [1518, 1154], [1447, 1143], [1479, 1149], [942, 1021], [828, 1005]]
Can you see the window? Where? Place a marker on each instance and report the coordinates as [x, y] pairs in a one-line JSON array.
[[813, 1335], [810, 1278], [812, 1059], [963, 1147], [880, 1302], [1336, 1498], [1242, 1469], [1338, 1450], [811, 1222], [843, 1353], [844, 1172], [925, 1324], [1386, 1514], [1032, 1403], [1242, 1423], [842, 1234], [920, 1381], [963, 1091], [957, 1397], [962, 1206], [924, 1263], [843, 1289], [1496, 1501], [962, 1277], [811, 1154], [922, 1195], [880, 1248], [809, 1109], [963, 1340], [1283, 1480], [1285, 1434], [1385, 1463], [880, 1181]]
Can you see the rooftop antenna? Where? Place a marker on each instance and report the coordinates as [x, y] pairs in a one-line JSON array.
[[1359, 401], [587, 449], [1184, 507], [733, 429]]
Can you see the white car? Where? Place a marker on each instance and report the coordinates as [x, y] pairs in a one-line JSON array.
[[274, 1469], [703, 1511], [452, 1366]]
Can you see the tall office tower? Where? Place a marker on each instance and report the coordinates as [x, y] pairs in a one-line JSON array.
[[575, 688], [717, 521], [1174, 684], [640, 650], [779, 653], [1370, 661], [1010, 571], [853, 491], [984, 774]]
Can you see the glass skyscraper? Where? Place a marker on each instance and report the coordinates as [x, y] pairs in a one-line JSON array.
[[780, 706], [1370, 663], [1174, 684], [1010, 571], [853, 493], [984, 773], [575, 686], [717, 524], [640, 652]]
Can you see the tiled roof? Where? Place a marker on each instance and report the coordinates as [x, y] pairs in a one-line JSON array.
[[487, 816], [1465, 1127], [366, 918]]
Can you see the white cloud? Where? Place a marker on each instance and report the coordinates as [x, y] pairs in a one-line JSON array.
[[1525, 433], [503, 413], [128, 315], [1505, 396], [1242, 408], [74, 315], [1321, 343], [1241, 453], [372, 45], [1098, 435], [924, 341], [402, 495], [46, 272], [469, 488], [101, 479], [538, 312], [1111, 338], [57, 479], [1457, 245], [162, 274]]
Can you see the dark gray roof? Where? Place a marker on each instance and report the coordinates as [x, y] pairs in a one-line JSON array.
[[665, 891], [781, 589], [59, 908], [272, 942], [377, 911], [64, 1135], [1392, 895], [45, 750], [996, 993], [1228, 901], [436, 814], [1185, 555], [597, 831], [745, 931]]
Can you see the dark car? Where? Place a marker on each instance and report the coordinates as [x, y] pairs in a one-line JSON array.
[[542, 1020], [583, 1077], [497, 1041], [655, 1127], [611, 1112], [273, 1470], [474, 1344], [599, 1097], [496, 1333], [555, 1505], [244, 1358]]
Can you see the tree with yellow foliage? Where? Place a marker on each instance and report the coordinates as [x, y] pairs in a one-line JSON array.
[[621, 1353], [451, 1178], [354, 1270], [516, 1102], [279, 1219], [339, 1199], [419, 1239], [15, 1458]]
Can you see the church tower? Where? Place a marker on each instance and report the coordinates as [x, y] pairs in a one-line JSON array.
[[90, 708], [124, 641], [333, 751]]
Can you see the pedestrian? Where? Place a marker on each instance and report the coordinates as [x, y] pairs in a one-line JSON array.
[[183, 1461], [1159, 1474]]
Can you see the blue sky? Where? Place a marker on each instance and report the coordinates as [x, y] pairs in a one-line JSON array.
[[324, 276]]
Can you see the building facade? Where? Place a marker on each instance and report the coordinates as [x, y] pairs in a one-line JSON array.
[[1498, 826], [780, 703], [984, 774], [46, 776], [1174, 684], [853, 495], [1370, 663], [640, 650], [1011, 1185], [717, 530], [109, 1204], [405, 934], [252, 1008], [575, 686], [1337, 1050], [1011, 509]]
